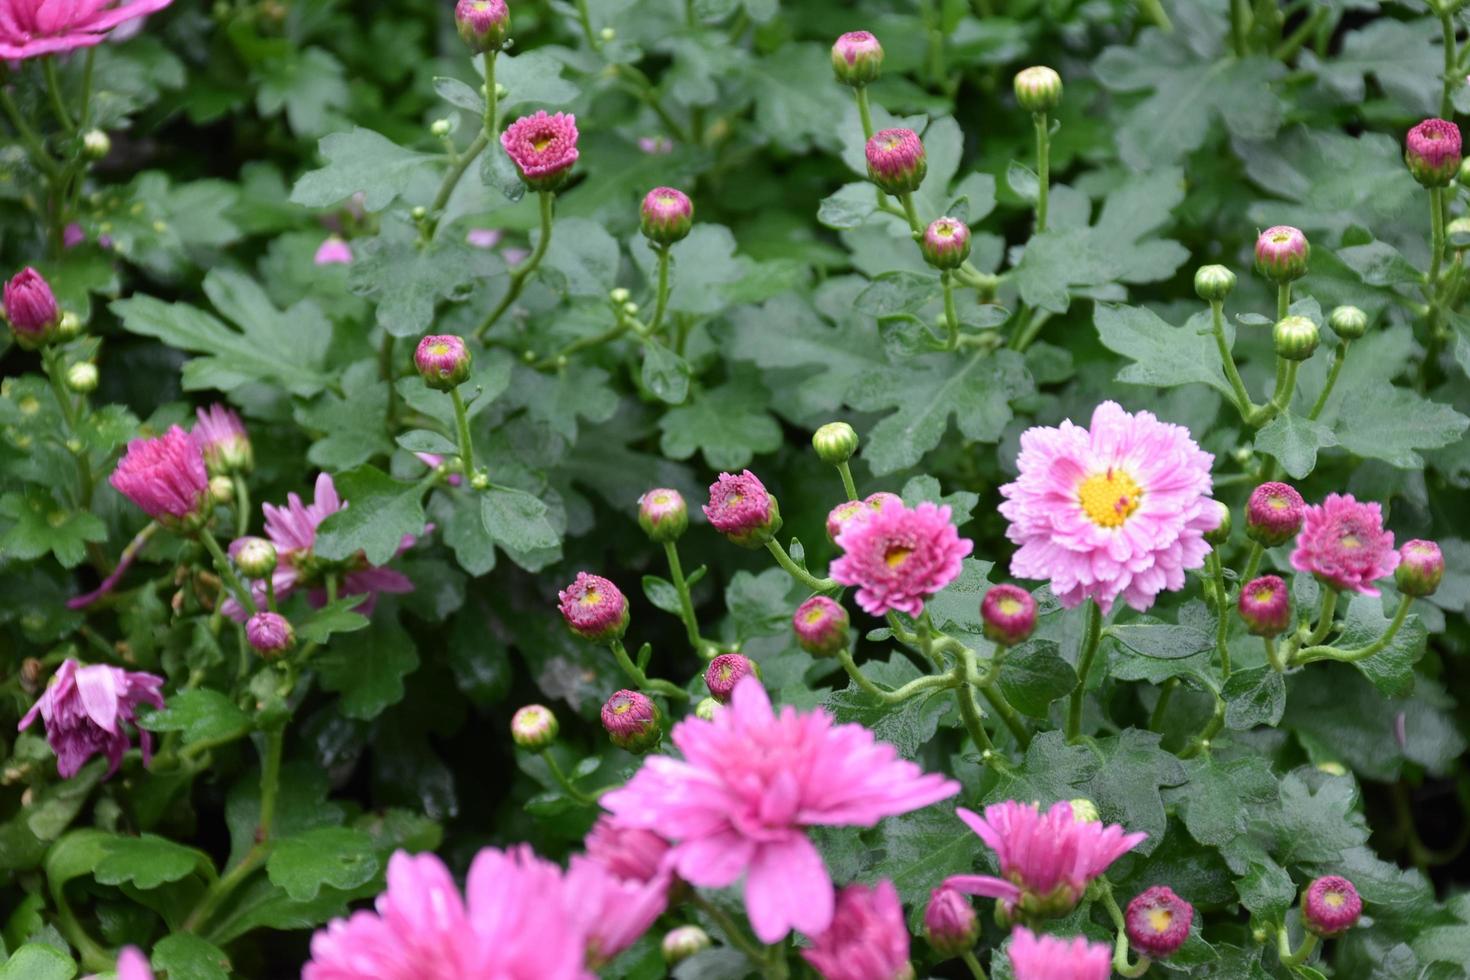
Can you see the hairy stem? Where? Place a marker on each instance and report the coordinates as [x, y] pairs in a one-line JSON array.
[[1090, 641]]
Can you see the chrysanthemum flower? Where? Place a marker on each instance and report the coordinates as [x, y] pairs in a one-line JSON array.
[[85, 711], [543, 148], [615, 911], [1120, 510], [29, 28], [1331, 906], [594, 608], [868, 938], [1343, 543], [133, 965], [222, 439], [1158, 922], [750, 783], [166, 477], [742, 509], [333, 250], [898, 557], [628, 852], [1036, 957]]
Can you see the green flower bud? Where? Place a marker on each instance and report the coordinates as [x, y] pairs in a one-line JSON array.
[[1348, 322], [1458, 230], [1038, 89], [82, 377], [1213, 283], [1295, 338], [1221, 533], [255, 556], [221, 489], [681, 943], [440, 127], [707, 708], [533, 727], [619, 296], [857, 58], [835, 442], [96, 144]]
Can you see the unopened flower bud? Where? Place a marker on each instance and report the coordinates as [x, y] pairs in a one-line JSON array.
[[31, 670], [69, 327], [1421, 568], [221, 489], [81, 377], [1274, 514], [1432, 152], [1008, 613], [619, 296], [681, 943], [631, 720], [483, 24], [950, 923], [607, 34], [821, 626], [1457, 232], [725, 671], [896, 160], [256, 557], [1282, 253], [270, 634], [96, 144], [857, 58], [31, 308], [443, 361], [707, 708], [630, 309], [1038, 89], [840, 515], [1221, 533], [1348, 322], [594, 608], [1295, 338], [533, 727], [666, 215], [440, 128], [945, 244], [1084, 810], [1213, 283], [835, 443], [1331, 906], [1265, 605], [743, 510], [663, 515], [1158, 922]]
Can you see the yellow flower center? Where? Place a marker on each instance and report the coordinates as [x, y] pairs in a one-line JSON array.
[[897, 555], [1334, 899], [1009, 606], [540, 143], [1160, 919], [816, 615], [1109, 498], [1350, 541], [591, 598], [1264, 595], [438, 350]]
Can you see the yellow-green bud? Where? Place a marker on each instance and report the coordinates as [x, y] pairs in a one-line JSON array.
[[221, 489], [1038, 89], [1457, 232], [835, 442], [1213, 283], [82, 377], [533, 727], [707, 708], [681, 943], [96, 144], [440, 127], [1221, 533], [1348, 322], [69, 326], [619, 296], [607, 34], [1295, 338]]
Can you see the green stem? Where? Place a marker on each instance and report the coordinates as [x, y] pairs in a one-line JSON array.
[[566, 784], [642, 680], [488, 127], [585, 19], [53, 88], [270, 780], [864, 111], [1006, 713], [1023, 338], [733, 933], [1154, 11], [1043, 167], [1324, 617], [1202, 740], [1222, 619], [242, 506], [661, 304], [1090, 641], [902, 635], [964, 696], [911, 214], [796, 571], [462, 425], [1239, 26], [1332, 373], [1436, 229], [85, 115], [976, 970], [1314, 653], [1273, 655], [1161, 706], [848, 485], [1281, 397], [1283, 300], [227, 571], [1293, 43], [1451, 77], [523, 271], [1283, 948], [1253, 562], [686, 602], [94, 956], [34, 145], [951, 317], [1243, 401], [612, 333]]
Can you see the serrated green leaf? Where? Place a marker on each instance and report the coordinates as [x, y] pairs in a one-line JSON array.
[[361, 161], [1253, 696], [354, 424], [41, 525], [729, 425], [379, 513], [1164, 355], [517, 521], [1294, 440], [147, 861], [407, 278], [199, 715], [185, 956], [37, 961], [367, 668], [335, 856]]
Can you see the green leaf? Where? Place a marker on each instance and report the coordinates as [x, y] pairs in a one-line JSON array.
[[379, 513], [147, 862], [1032, 676], [1318, 822], [918, 850], [1391, 669], [558, 400], [1163, 641], [1253, 696], [337, 617], [728, 424], [662, 594], [1164, 356], [1294, 440], [184, 956], [166, 227], [335, 856], [796, 104], [367, 668], [41, 525], [407, 278], [582, 259], [1266, 889], [895, 293], [849, 207], [201, 715], [1380, 264], [703, 266], [354, 424], [533, 77], [1394, 52], [909, 725], [37, 961], [665, 373], [1217, 801], [1390, 423], [364, 162], [1126, 788], [464, 530], [1329, 180], [308, 84], [517, 521]]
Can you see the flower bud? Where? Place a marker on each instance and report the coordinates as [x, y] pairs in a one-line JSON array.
[[1221, 533], [1038, 89], [270, 634], [1008, 613], [1348, 322], [681, 943], [1282, 253], [96, 144], [619, 296], [594, 608], [30, 306], [835, 442], [1457, 232], [1274, 514], [543, 148], [707, 708], [443, 361], [1265, 605], [1421, 568], [256, 557], [1432, 152], [663, 515], [743, 510], [945, 244], [483, 24], [81, 377], [1213, 283], [440, 128], [666, 215], [841, 515], [1158, 922], [950, 923], [821, 626], [608, 35], [857, 58], [896, 160], [631, 720], [1331, 906], [725, 671], [533, 727], [1084, 810], [221, 489], [1295, 338], [70, 326]]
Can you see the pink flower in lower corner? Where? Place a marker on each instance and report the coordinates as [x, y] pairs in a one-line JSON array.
[[615, 910], [29, 28], [1343, 543], [1046, 859], [898, 556], [86, 710], [868, 938], [1119, 510], [750, 783], [1036, 957]]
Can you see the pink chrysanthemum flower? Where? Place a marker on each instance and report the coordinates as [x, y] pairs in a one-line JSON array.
[[1344, 544], [724, 673], [1432, 152], [1158, 922], [742, 509], [334, 250], [750, 782], [30, 305], [628, 852], [1120, 510], [1331, 906], [615, 911], [516, 921], [868, 938], [85, 711], [222, 440], [594, 608], [1036, 957], [1046, 859], [898, 557], [542, 147], [896, 160], [292, 529], [484, 237], [29, 28], [166, 477]]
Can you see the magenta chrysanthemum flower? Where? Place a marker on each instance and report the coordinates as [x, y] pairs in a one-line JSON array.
[[594, 608], [724, 672], [443, 361], [896, 160], [1331, 906], [1120, 510], [1344, 544], [86, 709], [1008, 613], [1158, 922], [750, 782], [663, 514], [269, 634], [950, 923], [946, 243], [222, 440], [542, 147], [517, 921], [868, 938], [1046, 859], [333, 251], [1036, 957], [166, 477], [29, 28], [615, 911], [898, 557], [1432, 152], [1274, 513], [483, 24], [30, 305], [666, 215], [742, 509], [821, 626], [133, 965], [632, 721], [292, 529], [628, 852]]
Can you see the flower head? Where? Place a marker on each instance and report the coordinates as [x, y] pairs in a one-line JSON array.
[[1432, 152], [868, 938], [543, 148], [1331, 906], [945, 243], [333, 250], [663, 515], [896, 160], [1282, 253], [1046, 859], [615, 910], [950, 923], [1343, 543], [222, 439], [533, 727], [1038, 88], [632, 721], [1117, 511], [270, 634], [594, 608], [85, 709], [857, 58], [666, 215], [742, 509], [443, 361], [821, 626], [1421, 568], [749, 783], [1158, 922], [838, 517], [628, 852], [724, 672], [1036, 957], [166, 477], [1274, 514], [1008, 613], [1265, 605], [898, 557], [30, 306], [482, 24], [29, 28]]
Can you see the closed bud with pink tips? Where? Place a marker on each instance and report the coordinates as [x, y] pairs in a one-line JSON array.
[[1265, 605], [270, 634], [1009, 614], [1282, 253], [857, 58], [821, 626], [1421, 568], [1331, 906], [868, 938], [167, 478], [534, 727], [663, 515], [725, 671], [594, 608], [1158, 922], [666, 216], [443, 361], [484, 25], [945, 243], [1274, 514], [632, 721], [743, 510], [950, 923], [1432, 152], [896, 160], [30, 307], [543, 148]]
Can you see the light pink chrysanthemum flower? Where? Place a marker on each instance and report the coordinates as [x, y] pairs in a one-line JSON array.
[[543, 147], [628, 852], [1049, 857], [750, 783], [1117, 511], [615, 911], [656, 145], [85, 711], [898, 557], [73, 235], [333, 251], [1036, 957], [222, 439], [29, 28], [1343, 543], [868, 938], [166, 477]]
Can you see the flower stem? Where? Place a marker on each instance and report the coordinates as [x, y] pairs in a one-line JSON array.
[[566, 784], [1436, 234], [845, 471], [1273, 655], [911, 213], [864, 111], [951, 317], [53, 88], [1222, 623], [1332, 373], [1447, 30], [270, 779], [796, 571], [1253, 562], [1243, 401], [1202, 740], [521, 273], [1283, 300], [1161, 706], [226, 571], [1043, 167], [1324, 618], [1314, 653], [976, 970], [703, 647], [34, 145], [1283, 948], [85, 114], [1006, 713], [642, 680], [662, 303], [1090, 641], [462, 424], [242, 506], [733, 933]]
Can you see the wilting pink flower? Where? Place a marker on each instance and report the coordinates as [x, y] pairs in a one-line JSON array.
[[628, 852], [542, 147], [222, 439], [1158, 922], [1432, 152], [1331, 906], [748, 785], [898, 557], [1036, 957], [333, 251], [1120, 510], [484, 237], [29, 28], [594, 608], [742, 509], [615, 910], [85, 710], [868, 938], [1046, 860], [166, 477], [133, 965], [517, 921], [1344, 544]]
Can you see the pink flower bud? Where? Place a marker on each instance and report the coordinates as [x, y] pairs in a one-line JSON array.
[[663, 515], [821, 626], [1331, 906], [631, 720], [724, 672], [270, 634], [946, 243], [443, 361], [1009, 614], [543, 148], [30, 306], [857, 58], [222, 439], [1432, 152], [533, 727], [950, 923], [1421, 568], [594, 608], [1265, 605], [666, 215], [743, 510], [333, 251], [483, 24], [1158, 922], [133, 965], [1274, 514], [1282, 253], [166, 477], [896, 160]]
